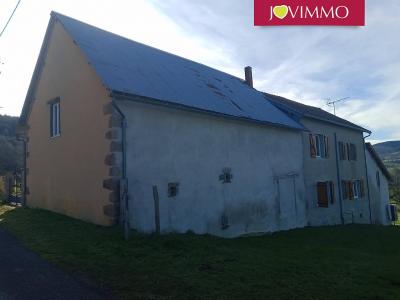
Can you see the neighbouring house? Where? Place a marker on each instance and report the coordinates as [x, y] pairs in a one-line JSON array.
[[378, 179], [334, 165], [119, 131]]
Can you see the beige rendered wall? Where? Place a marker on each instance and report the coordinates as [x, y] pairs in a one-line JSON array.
[[66, 173]]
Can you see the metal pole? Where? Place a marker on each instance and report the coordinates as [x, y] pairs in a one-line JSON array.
[[339, 180], [124, 195], [367, 179]]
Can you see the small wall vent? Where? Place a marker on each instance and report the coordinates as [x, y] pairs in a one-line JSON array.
[[226, 176], [173, 189]]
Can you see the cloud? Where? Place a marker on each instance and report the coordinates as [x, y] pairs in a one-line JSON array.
[[308, 64]]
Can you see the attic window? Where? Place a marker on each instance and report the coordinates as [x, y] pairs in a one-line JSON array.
[[55, 128]]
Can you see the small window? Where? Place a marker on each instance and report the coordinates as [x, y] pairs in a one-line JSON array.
[[319, 146], [352, 151], [378, 178], [357, 189], [55, 119], [326, 193]]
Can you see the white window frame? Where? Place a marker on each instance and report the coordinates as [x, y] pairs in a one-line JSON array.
[[55, 119], [320, 151], [356, 189]]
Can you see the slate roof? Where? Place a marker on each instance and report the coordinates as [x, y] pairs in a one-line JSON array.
[[297, 110], [378, 161], [128, 67]]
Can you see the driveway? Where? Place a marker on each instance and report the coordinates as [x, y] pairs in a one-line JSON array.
[[24, 275]]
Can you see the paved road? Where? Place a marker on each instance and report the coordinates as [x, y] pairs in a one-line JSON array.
[[24, 275]]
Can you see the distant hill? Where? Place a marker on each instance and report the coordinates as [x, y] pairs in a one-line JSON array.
[[387, 147], [389, 152], [10, 148]]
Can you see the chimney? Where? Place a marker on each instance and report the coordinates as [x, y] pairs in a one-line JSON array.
[[248, 73]]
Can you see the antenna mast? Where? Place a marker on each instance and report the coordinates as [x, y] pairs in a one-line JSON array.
[[333, 102]]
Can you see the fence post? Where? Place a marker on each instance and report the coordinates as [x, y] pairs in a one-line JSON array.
[[156, 209]]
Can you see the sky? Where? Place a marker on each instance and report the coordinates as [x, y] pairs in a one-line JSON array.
[[306, 64]]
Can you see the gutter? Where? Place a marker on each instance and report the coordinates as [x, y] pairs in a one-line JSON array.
[[367, 180], [164, 103], [124, 199], [339, 181]]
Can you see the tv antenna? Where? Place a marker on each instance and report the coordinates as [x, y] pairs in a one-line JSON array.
[[333, 103]]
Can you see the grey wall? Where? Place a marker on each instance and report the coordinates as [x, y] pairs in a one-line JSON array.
[[321, 169], [167, 145], [379, 195]]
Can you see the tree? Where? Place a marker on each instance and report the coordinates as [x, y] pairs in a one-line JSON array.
[[10, 149]]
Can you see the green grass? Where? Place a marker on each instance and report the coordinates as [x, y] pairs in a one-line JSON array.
[[354, 262]]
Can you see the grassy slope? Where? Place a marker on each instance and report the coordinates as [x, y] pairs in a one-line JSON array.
[[356, 262]]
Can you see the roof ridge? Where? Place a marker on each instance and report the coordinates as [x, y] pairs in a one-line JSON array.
[[147, 73]]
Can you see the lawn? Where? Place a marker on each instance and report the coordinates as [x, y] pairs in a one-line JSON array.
[[353, 262]]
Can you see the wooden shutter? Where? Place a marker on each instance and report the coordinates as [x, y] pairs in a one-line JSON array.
[[345, 192], [350, 187], [362, 186], [51, 119], [322, 193], [348, 154], [326, 146], [313, 150], [354, 152], [333, 192]]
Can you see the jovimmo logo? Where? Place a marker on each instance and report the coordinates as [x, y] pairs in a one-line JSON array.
[[309, 12]]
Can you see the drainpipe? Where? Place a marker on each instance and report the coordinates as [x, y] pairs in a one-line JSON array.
[[367, 180], [124, 200], [339, 180]]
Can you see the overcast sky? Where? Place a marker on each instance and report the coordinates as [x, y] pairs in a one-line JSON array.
[[306, 64]]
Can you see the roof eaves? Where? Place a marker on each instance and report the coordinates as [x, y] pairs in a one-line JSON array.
[[355, 127], [117, 95], [310, 116]]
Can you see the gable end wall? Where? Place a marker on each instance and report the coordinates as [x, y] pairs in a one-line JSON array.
[[67, 173]]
